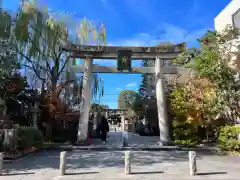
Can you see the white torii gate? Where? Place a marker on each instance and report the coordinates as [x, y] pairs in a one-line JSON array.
[[157, 53]]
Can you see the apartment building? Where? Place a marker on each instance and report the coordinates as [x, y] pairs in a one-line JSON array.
[[230, 15]]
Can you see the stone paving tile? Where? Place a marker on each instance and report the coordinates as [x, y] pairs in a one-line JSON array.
[[110, 165], [134, 140], [151, 165], [97, 165]]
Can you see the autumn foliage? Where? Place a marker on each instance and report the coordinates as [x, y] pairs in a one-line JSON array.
[[54, 110], [204, 100], [193, 99]]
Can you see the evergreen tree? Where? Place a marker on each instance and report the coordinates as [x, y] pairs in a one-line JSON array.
[[146, 78]]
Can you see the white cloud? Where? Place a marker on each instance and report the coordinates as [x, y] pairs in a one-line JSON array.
[[164, 33], [118, 89], [131, 85], [177, 34], [141, 39]]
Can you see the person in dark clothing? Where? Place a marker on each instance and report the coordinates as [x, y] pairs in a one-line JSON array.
[[104, 128]]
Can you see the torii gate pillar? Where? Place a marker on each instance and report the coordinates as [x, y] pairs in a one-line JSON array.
[[86, 98], [165, 137]]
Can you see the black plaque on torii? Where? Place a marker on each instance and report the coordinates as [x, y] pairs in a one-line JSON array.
[[124, 60]]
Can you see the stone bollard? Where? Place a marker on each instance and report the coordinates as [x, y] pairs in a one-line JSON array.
[[128, 158], [1, 163], [10, 138], [125, 139], [63, 158], [192, 163]]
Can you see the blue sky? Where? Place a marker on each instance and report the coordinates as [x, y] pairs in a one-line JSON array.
[[139, 22]]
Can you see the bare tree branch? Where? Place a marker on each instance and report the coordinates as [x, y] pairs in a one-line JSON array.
[[57, 61], [63, 67], [35, 71]]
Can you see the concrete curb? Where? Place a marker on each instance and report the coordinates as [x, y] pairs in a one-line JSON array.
[[21, 157], [163, 148]]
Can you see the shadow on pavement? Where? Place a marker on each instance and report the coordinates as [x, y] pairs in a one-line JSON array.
[[80, 173], [93, 160], [17, 174], [148, 172], [96, 159], [210, 173]]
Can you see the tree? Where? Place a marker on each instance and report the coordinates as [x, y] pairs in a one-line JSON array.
[[187, 56], [36, 36], [213, 63], [98, 107], [211, 89], [126, 99], [42, 42], [129, 99], [8, 59], [146, 78]]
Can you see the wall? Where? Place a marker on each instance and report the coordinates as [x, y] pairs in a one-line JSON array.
[[225, 17]]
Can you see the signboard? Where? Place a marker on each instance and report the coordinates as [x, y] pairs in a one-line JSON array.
[[124, 60]]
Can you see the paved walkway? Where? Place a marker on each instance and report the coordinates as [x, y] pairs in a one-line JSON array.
[[135, 142], [109, 165], [114, 140]]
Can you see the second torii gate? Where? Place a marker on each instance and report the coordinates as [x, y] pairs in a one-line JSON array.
[[160, 54]]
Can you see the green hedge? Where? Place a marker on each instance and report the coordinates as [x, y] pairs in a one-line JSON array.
[[188, 143], [228, 138], [29, 137]]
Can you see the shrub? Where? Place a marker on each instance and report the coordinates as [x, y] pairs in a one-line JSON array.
[[29, 137], [186, 142], [187, 116], [228, 132], [183, 131], [228, 138]]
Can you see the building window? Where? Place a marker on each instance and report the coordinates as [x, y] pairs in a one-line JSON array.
[[236, 19]]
